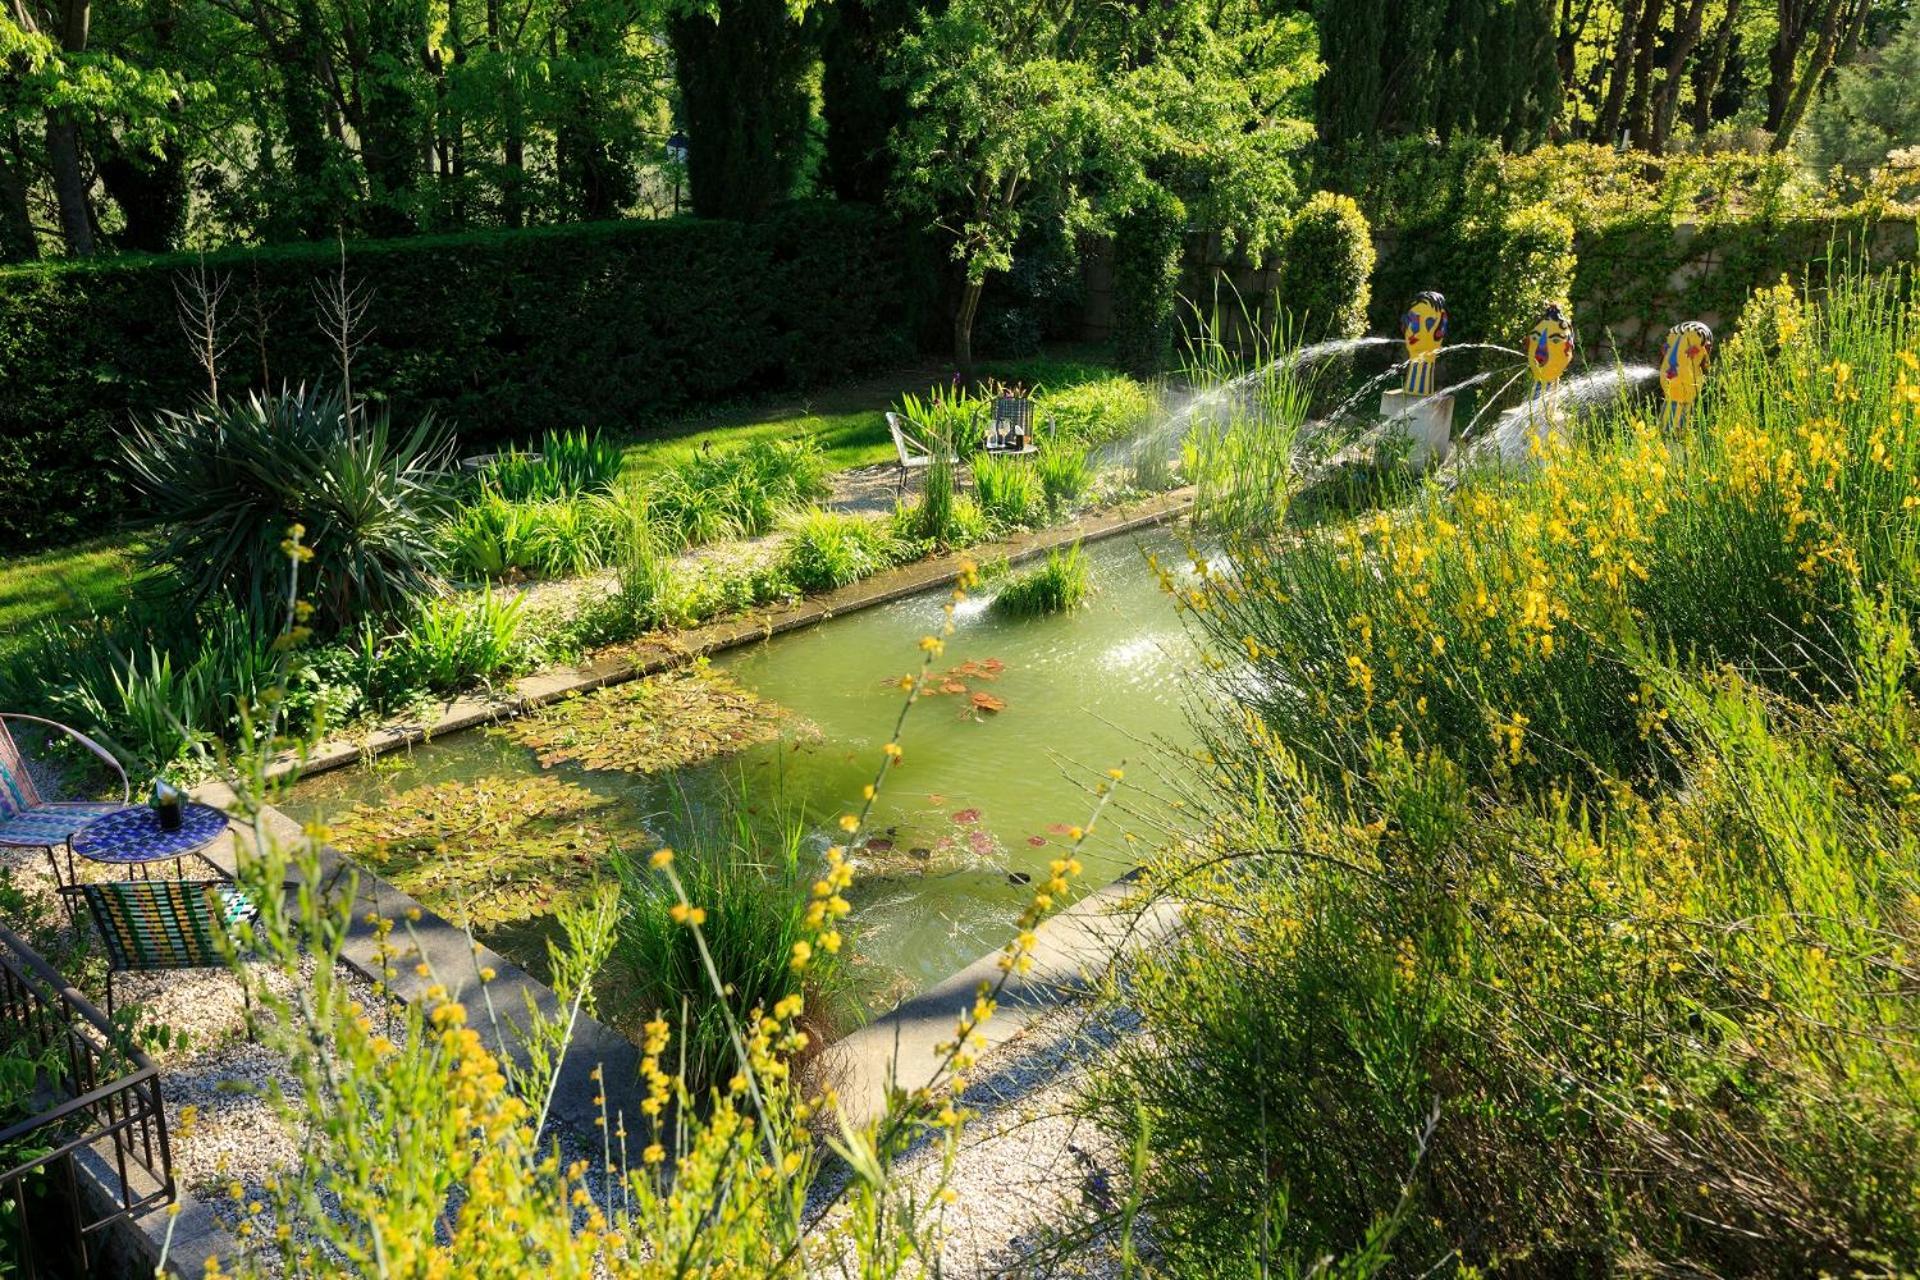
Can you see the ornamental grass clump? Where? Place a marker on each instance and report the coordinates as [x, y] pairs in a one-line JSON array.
[[750, 875], [736, 492], [1060, 585], [1578, 807], [1008, 489], [828, 549]]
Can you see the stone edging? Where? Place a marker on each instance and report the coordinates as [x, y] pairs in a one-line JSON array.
[[650, 656]]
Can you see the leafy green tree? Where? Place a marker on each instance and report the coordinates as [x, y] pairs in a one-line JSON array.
[[1872, 109], [1018, 115]]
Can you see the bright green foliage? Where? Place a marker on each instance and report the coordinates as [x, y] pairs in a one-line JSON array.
[[738, 492], [1326, 269], [1058, 586], [490, 537], [828, 549], [501, 335], [454, 641], [1009, 490], [1870, 111], [565, 464], [1535, 267], [1065, 473], [1577, 806], [90, 576], [1017, 116], [750, 877], [230, 482], [1147, 245], [211, 124]]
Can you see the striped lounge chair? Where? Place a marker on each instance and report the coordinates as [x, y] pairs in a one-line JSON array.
[[163, 924], [29, 822]]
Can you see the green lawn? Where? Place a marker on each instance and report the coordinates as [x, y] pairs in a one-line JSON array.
[[848, 421], [67, 582]]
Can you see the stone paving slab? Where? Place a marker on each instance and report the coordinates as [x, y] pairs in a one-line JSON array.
[[1072, 951]]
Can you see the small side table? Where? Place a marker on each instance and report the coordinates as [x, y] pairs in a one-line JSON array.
[[132, 838]]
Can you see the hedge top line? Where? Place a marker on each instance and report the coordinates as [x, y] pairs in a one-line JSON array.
[[328, 251]]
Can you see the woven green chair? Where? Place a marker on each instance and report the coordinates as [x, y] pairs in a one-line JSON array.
[[29, 822], [149, 925]]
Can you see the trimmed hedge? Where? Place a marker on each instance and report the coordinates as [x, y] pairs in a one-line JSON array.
[[1327, 266], [503, 334]]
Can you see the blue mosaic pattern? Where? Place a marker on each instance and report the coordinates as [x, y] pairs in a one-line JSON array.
[[48, 825], [133, 834]]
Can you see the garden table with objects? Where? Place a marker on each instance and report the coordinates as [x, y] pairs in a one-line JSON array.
[[1010, 430], [135, 838]]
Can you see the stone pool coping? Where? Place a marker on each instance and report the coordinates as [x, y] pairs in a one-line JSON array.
[[653, 654]]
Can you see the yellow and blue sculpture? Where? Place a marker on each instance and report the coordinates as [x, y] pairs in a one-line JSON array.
[[1683, 370], [1550, 347], [1424, 329]]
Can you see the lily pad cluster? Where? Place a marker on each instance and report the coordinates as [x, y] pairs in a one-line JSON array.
[[664, 722], [491, 851], [960, 680]]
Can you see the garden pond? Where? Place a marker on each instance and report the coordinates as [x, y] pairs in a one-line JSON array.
[[494, 827]]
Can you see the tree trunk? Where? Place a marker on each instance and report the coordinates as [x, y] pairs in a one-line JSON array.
[[963, 328], [1687, 21], [1707, 73], [1707, 79], [1621, 71], [1639, 108], [1830, 30], [63, 142]]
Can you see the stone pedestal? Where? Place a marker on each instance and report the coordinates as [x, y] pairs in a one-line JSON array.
[[1424, 422]]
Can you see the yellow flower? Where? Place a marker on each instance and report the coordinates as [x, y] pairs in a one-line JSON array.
[[661, 858]]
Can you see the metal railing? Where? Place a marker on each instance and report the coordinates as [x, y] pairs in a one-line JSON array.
[[100, 1104]]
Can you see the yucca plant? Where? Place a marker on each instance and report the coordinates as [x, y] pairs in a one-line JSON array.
[[227, 482]]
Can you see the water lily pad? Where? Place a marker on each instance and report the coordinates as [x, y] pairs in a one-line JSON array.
[[487, 852], [653, 725]]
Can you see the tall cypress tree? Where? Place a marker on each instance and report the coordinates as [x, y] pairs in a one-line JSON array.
[[860, 107], [742, 88]]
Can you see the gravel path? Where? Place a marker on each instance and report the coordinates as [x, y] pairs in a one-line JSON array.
[[1036, 1186]]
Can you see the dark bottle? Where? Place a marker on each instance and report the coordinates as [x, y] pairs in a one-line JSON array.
[[166, 804]]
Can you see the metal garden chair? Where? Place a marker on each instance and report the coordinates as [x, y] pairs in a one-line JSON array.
[[150, 925], [27, 821], [913, 453]]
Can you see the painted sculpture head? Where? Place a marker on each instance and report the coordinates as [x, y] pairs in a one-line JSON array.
[[1683, 366], [1424, 326], [1550, 345]]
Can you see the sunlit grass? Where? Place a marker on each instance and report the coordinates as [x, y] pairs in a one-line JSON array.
[[65, 582]]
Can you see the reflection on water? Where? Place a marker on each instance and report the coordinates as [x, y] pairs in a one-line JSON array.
[[979, 796]]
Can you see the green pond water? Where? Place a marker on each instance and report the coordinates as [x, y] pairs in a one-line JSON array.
[[978, 796]]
